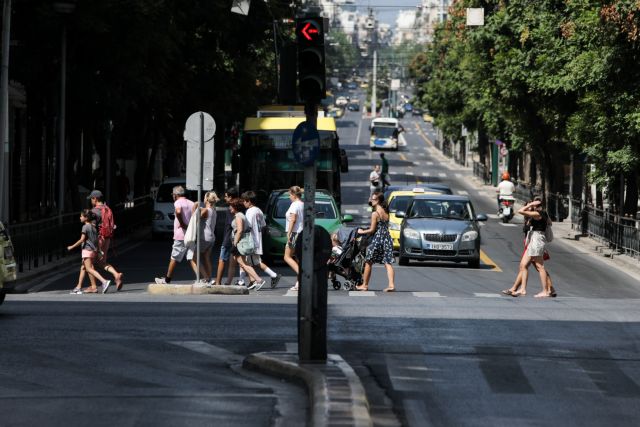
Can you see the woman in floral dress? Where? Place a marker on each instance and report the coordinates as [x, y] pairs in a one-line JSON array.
[[380, 249]]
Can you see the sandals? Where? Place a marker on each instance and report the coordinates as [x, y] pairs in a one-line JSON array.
[[90, 291], [508, 292]]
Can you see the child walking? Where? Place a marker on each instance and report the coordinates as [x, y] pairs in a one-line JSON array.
[[89, 245]]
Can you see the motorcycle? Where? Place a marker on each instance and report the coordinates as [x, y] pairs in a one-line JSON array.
[[507, 204]]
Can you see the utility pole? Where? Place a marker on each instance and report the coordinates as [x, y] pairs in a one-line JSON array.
[[373, 86]]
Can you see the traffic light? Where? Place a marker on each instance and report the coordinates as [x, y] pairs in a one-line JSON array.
[[311, 58]]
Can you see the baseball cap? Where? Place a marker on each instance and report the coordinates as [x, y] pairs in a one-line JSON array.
[[95, 193]]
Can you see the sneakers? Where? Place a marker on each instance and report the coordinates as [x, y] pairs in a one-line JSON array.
[[105, 286], [161, 280], [76, 291], [239, 283], [258, 286], [252, 286], [275, 280]]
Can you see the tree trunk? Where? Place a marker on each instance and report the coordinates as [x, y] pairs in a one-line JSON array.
[[631, 199]]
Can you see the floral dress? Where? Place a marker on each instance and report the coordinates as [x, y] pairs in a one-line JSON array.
[[380, 249]]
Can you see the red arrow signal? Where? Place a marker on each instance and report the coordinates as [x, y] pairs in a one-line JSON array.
[[307, 31]]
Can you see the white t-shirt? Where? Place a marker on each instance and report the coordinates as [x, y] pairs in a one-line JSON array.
[[296, 208], [506, 188], [256, 220], [374, 176]]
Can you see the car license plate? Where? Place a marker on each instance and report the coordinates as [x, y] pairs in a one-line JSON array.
[[440, 246]]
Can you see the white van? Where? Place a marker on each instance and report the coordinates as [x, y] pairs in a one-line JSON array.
[[385, 133]]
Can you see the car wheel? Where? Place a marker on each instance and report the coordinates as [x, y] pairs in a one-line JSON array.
[[403, 260], [474, 263]]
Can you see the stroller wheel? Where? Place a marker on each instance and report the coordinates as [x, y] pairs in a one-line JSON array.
[[347, 286], [336, 285]]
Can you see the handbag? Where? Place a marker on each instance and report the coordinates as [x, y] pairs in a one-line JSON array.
[[246, 246], [191, 235]]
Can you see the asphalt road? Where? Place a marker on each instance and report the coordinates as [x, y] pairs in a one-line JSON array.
[[446, 349]]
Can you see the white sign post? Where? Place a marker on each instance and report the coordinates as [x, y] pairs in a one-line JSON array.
[[198, 134]]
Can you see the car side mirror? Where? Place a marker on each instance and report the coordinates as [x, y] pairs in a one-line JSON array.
[[347, 218], [400, 214], [481, 217]]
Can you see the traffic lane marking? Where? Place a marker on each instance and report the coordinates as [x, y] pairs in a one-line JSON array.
[[403, 157], [486, 260]]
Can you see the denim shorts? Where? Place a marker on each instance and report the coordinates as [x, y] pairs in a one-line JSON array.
[[224, 253]]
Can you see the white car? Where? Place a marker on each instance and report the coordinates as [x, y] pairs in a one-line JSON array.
[[341, 101], [163, 209]]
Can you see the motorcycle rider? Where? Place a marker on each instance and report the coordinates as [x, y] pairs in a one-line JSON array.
[[505, 188]]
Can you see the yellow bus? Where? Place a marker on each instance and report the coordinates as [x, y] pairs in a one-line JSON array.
[[266, 160]]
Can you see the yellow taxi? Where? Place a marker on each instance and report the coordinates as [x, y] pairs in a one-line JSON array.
[[399, 200], [427, 117]]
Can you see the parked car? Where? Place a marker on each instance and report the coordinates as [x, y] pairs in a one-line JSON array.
[[8, 268], [440, 228], [274, 235], [399, 200]]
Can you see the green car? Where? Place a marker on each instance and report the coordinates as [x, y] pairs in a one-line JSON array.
[[274, 235]]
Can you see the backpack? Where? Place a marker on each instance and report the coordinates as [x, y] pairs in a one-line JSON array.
[[106, 223]]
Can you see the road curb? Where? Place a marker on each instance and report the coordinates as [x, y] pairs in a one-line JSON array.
[[336, 395], [176, 289]]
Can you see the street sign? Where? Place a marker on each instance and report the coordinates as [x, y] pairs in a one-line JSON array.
[[193, 165], [197, 154], [192, 128], [395, 84], [306, 143]]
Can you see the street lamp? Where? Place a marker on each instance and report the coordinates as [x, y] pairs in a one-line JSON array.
[[64, 8]]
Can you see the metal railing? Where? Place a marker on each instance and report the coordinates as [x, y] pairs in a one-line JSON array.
[[40, 242], [618, 233], [482, 172]]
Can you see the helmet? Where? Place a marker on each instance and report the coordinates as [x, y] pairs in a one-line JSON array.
[[506, 176]]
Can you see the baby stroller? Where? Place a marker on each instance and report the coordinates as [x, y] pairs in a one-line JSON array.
[[350, 263]]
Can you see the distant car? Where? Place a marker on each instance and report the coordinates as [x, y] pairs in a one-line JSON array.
[[407, 108], [440, 228], [353, 106], [427, 117], [335, 112], [352, 86], [399, 200], [341, 101], [364, 85], [274, 235], [8, 269], [417, 112]]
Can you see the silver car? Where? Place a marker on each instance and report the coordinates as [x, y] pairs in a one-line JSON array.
[[440, 228]]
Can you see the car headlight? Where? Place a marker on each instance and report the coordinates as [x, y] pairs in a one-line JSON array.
[[157, 215], [394, 226], [275, 232], [470, 235], [410, 233]]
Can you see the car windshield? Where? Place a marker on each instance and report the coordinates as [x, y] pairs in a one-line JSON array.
[[384, 132], [444, 209], [324, 209], [400, 203], [165, 190]]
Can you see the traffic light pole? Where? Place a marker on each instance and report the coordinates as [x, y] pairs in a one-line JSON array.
[[306, 351]]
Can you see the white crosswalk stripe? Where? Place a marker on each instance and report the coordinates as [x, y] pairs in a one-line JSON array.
[[442, 175], [427, 294], [508, 225], [485, 295], [458, 175], [362, 294], [463, 193]]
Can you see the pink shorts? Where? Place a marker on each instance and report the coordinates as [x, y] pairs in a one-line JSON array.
[[88, 254]]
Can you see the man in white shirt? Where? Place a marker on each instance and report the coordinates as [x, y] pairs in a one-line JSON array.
[[256, 220], [505, 187], [374, 180]]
